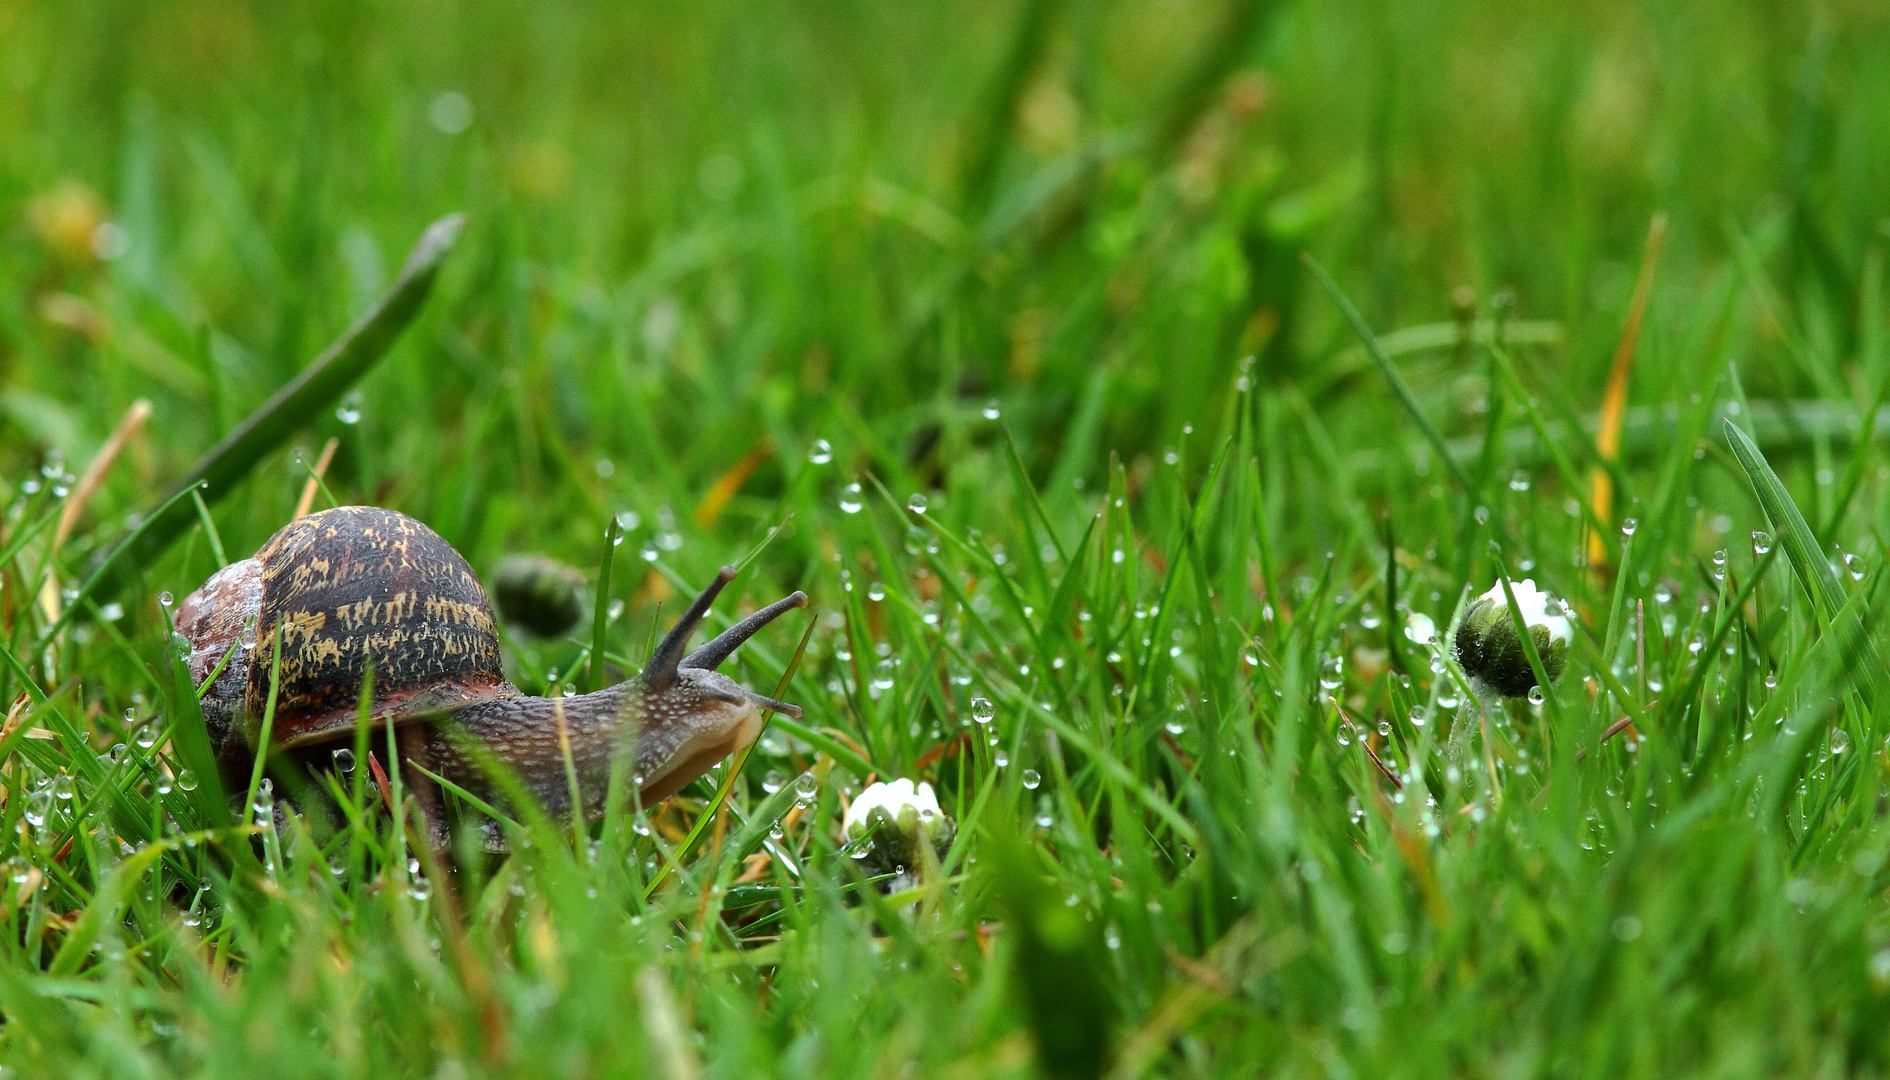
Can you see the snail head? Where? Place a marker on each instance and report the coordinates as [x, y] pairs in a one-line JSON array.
[[702, 713]]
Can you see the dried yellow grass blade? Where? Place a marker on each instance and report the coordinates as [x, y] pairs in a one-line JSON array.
[[1614, 401]]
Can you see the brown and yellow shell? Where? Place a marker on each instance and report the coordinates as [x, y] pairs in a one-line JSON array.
[[350, 589]]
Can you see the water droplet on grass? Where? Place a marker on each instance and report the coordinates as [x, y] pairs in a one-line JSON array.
[[850, 499]]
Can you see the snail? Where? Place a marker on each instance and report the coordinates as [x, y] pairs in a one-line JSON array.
[[358, 588]]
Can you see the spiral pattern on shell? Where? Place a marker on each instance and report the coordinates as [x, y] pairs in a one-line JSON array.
[[350, 590]]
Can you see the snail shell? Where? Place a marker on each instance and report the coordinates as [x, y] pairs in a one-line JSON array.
[[351, 591]]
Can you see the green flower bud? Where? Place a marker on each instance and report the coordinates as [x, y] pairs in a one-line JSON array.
[[538, 593], [1489, 651]]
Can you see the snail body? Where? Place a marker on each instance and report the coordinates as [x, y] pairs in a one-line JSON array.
[[357, 590]]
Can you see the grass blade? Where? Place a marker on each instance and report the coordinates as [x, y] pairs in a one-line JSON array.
[[1398, 385], [228, 462], [600, 610], [1801, 545]]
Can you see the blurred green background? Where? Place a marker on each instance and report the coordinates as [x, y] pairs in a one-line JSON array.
[[724, 260], [696, 230]]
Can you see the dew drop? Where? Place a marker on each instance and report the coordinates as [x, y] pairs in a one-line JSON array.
[[850, 499], [1032, 778], [982, 710], [821, 452]]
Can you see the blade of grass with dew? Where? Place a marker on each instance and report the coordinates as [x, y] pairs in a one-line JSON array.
[[97, 587], [110, 898], [190, 739], [209, 528], [266, 728], [1815, 574], [600, 607], [1788, 525], [318, 385]]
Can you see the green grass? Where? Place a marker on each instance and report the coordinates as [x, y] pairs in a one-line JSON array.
[[1039, 263]]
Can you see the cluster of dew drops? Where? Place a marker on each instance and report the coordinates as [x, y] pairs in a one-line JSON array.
[[54, 800], [853, 496]]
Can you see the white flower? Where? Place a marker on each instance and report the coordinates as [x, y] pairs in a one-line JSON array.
[[1489, 650], [1538, 608], [895, 801], [892, 824]]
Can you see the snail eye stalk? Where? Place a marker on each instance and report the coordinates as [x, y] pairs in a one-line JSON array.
[[661, 670], [711, 655]]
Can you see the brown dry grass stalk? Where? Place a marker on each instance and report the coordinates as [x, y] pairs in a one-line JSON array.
[[1614, 401]]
